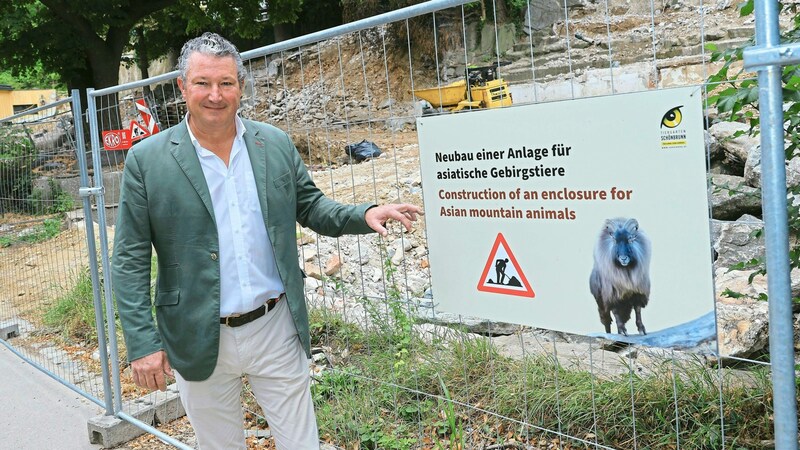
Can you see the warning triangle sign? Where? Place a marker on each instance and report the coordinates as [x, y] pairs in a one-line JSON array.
[[137, 131], [502, 274]]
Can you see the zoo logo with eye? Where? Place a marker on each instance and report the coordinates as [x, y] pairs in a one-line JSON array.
[[673, 135]]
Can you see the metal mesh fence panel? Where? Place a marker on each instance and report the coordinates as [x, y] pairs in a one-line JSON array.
[[390, 369], [47, 311]]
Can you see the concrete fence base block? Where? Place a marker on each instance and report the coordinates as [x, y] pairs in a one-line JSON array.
[[167, 405], [109, 431], [153, 409], [9, 331]]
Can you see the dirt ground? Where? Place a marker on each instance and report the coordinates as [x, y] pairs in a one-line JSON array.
[[34, 275]]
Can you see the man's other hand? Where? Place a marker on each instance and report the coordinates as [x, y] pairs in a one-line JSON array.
[[148, 371], [378, 216]]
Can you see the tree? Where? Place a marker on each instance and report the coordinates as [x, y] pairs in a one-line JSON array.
[[80, 40], [83, 40], [156, 36], [32, 78]]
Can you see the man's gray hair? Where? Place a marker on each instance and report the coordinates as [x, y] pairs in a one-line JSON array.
[[214, 45]]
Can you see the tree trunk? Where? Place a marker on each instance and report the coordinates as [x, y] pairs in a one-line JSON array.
[[283, 31], [108, 113], [105, 62], [501, 12], [142, 58]]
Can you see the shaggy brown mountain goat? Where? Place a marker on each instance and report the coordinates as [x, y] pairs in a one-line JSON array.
[[620, 280]]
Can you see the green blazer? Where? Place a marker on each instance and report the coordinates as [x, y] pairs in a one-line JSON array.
[[165, 205]]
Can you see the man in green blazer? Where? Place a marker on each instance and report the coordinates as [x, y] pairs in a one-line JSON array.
[[218, 197]]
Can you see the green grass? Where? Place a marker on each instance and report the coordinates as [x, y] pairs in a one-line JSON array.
[[369, 401], [72, 314], [49, 229]]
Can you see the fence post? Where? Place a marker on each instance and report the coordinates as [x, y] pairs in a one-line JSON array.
[[781, 331], [94, 133], [85, 192]]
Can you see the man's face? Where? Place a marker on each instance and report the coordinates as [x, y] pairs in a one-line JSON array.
[[211, 90]]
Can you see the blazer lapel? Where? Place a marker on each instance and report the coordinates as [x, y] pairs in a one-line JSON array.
[[186, 156], [257, 150]]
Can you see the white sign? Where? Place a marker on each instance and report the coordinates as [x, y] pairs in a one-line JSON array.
[[548, 214]]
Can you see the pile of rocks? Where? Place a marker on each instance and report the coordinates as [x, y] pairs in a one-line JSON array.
[[735, 196], [324, 101]]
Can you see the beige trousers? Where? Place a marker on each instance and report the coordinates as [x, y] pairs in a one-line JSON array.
[[269, 352]]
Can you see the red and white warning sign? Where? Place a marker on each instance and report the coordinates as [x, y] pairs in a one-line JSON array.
[[147, 117], [502, 274], [124, 139]]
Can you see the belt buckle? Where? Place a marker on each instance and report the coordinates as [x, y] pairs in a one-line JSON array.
[[235, 315], [273, 301]]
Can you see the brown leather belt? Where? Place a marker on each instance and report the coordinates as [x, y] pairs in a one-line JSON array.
[[237, 320]]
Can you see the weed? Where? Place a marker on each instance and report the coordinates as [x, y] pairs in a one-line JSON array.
[[52, 201], [331, 383], [17, 154], [452, 427], [376, 435], [736, 99], [73, 313], [62, 203], [47, 230]]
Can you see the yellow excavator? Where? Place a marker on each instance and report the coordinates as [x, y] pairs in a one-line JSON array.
[[480, 88]]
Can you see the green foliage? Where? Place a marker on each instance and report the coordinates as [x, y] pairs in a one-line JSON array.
[[390, 316], [47, 230], [400, 323], [62, 203], [83, 41], [17, 154], [516, 8], [332, 383], [50, 227], [54, 201], [358, 9], [376, 434], [330, 327], [31, 35], [736, 99], [73, 312], [33, 77], [245, 18], [451, 427]]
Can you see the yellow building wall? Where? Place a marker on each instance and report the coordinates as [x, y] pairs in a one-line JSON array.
[[6, 104], [10, 99]]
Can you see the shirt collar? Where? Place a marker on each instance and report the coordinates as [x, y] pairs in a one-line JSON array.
[[240, 130]]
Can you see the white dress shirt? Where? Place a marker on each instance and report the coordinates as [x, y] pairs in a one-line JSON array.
[[248, 273]]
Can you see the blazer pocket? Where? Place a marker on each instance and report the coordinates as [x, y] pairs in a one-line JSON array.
[[168, 298], [282, 183]]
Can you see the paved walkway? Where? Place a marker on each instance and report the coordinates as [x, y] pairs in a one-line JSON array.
[[38, 412]]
